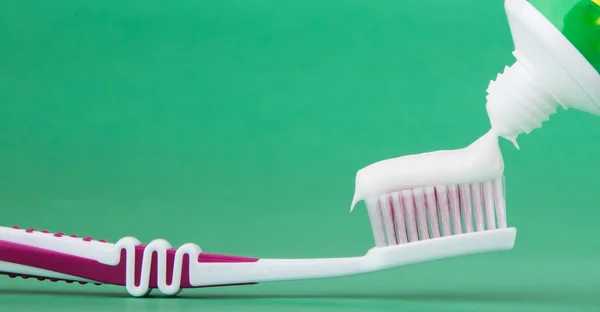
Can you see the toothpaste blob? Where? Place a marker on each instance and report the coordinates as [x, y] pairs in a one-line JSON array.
[[478, 162]]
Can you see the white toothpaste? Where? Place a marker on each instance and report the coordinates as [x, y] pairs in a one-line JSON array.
[[478, 162]]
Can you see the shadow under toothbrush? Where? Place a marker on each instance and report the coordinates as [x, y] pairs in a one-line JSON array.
[[555, 296]]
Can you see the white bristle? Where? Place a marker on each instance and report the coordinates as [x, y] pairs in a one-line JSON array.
[[477, 206], [488, 199], [376, 221], [421, 209], [432, 211], [466, 208], [388, 219], [442, 197], [499, 200], [410, 217], [399, 213], [455, 208]]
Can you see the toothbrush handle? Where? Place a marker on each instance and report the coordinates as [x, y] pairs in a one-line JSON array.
[[138, 267], [141, 268]]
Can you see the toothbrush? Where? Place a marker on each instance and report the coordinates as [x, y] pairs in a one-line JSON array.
[[422, 207]]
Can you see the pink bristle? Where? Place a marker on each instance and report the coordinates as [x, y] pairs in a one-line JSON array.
[[499, 200], [419, 199], [465, 206], [399, 212], [455, 208], [375, 217], [428, 212], [477, 206], [432, 211], [411, 221], [442, 199], [488, 198], [388, 219]]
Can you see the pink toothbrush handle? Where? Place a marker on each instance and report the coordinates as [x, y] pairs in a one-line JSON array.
[[29, 253]]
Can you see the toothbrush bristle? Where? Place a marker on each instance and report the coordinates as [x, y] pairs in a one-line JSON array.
[[399, 219], [411, 224], [434, 211], [376, 218], [455, 208]]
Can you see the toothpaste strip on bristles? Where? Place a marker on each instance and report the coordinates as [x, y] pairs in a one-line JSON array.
[[430, 195]]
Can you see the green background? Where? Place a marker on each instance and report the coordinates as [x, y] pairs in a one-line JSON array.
[[240, 125]]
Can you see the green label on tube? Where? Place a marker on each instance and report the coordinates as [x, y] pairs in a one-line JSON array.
[[579, 21]]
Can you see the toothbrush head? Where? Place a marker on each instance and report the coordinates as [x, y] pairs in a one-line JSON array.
[[435, 195]]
